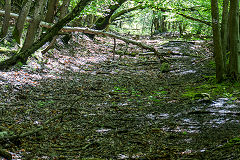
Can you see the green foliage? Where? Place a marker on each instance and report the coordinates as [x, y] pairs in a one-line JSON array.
[[3, 57], [232, 142], [172, 8], [19, 64], [7, 44], [158, 95], [3, 134], [155, 96], [165, 67], [44, 103], [4, 49], [212, 64], [123, 90]]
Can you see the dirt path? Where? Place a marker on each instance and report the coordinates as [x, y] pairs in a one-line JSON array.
[[124, 108]]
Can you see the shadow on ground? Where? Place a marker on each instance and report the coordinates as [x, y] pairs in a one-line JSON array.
[[120, 109]]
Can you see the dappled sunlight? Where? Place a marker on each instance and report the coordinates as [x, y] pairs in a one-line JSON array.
[[130, 94]]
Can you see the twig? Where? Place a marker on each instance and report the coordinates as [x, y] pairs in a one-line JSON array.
[[114, 48]]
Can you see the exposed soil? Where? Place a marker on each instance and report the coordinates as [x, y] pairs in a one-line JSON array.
[[127, 108]]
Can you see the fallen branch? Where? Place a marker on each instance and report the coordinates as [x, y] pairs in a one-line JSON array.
[[96, 32], [28, 19], [13, 137], [195, 19], [101, 32], [43, 126]]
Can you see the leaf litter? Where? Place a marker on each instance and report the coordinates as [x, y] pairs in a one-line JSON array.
[[125, 108]]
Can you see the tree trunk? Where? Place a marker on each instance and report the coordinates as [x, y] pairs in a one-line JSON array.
[[63, 13], [163, 24], [102, 23], [124, 11], [64, 8], [6, 18], [234, 66], [23, 55], [224, 31], [217, 41], [34, 25], [51, 9], [17, 33]]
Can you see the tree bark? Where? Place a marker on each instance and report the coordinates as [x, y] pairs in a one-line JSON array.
[[23, 55], [234, 66], [217, 41], [63, 13], [64, 8], [224, 31], [17, 33], [51, 9], [102, 23], [122, 12], [195, 19], [6, 18], [34, 25]]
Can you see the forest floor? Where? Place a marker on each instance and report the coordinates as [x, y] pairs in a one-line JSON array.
[[94, 107]]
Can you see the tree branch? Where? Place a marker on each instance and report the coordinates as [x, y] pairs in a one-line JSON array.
[[122, 12], [99, 32], [195, 19]]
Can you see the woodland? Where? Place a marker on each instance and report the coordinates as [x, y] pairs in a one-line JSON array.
[[119, 79]]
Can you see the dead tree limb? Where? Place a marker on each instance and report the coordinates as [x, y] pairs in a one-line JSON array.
[[97, 32], [127, 40]]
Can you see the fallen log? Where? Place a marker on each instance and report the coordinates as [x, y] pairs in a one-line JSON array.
[[127, 40], [97, 32]]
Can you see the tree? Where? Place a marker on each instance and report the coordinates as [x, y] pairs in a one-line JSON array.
[[217, 41], [34, 26], [23, 55], [51, 9], [224, 31], [234, 65], [63, 12], [103, 22], [6, 18], [124, 11], [17, 33]]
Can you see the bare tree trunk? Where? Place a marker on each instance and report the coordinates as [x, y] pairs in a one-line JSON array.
[[217, 41], [234, 66], [224, 31], [64, 8], [6, 18], [103, 23], [17, 33], [34, 25], [63, 13], [51, 9]]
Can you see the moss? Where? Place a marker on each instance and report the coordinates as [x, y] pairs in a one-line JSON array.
[[165, 67], [225, 90]]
